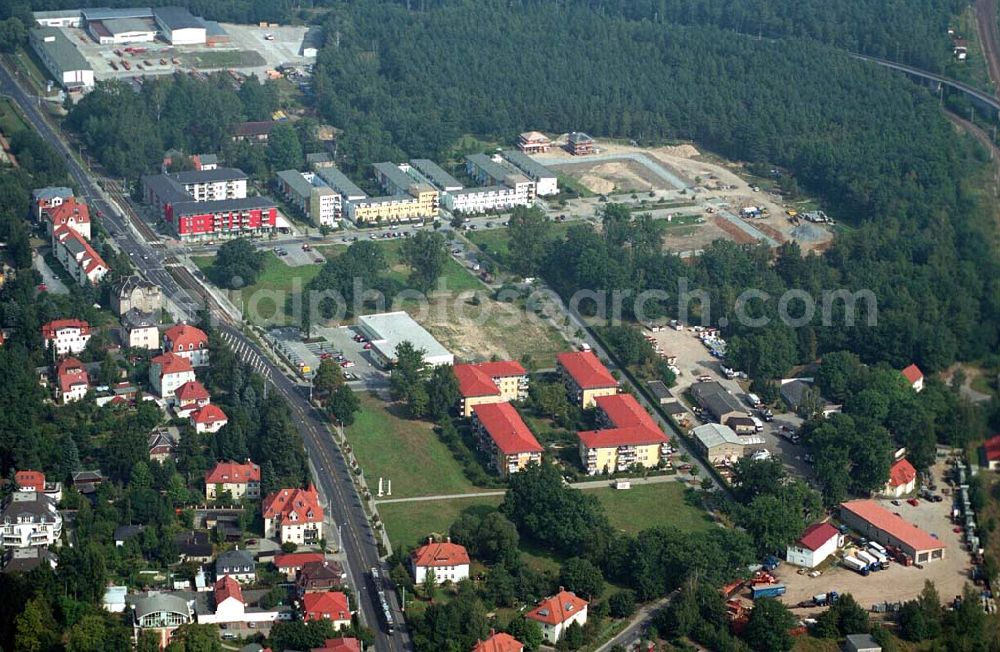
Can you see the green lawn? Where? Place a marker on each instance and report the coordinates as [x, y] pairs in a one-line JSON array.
[[457, 278], [11, 121], [410, 523], [649, 505], [224, 59], [494, 241], [405, 451]]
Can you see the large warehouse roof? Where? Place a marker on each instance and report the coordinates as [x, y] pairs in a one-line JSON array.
[[892, 524], [394, 328], [177, 18], [59, 49]]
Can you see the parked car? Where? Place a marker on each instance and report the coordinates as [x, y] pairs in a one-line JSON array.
[[913, 501], [896, 503], [346, 364]]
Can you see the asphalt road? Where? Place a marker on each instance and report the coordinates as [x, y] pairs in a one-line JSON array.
[[334, 477]]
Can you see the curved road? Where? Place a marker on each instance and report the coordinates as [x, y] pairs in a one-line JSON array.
[[333, 476], [982, 96]]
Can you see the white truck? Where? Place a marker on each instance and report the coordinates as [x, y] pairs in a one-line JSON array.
[[753, 400], [855, 564], [867, 558]]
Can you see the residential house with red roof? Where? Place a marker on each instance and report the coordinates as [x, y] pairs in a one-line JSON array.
[[72, 380], [43, 198], [505, 437], [327, 605], [499, 642], [70, 213], [230, 605], [876, 523], [346, 644], [490, 382], [67, 335], [167, 372], [293, 515], [819, 541], [915, 377], [448, 561], [628, 437], [210, 418], [902, 479], [290, 564], [558, 612], [188, 342], [28, 480], [77, 257], [585, 377], [190, 397], [240, 480], [991, 453]]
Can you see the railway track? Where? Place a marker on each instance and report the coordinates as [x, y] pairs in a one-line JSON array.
[[989, 36]]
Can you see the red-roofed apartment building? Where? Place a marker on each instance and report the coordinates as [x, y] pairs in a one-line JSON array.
[[915, 377], [881, 525], [502, 642], [490, 382], [72, 380], [293, 515], [190, 397], [240, 480], [167, 372], [557, 613], [70, 213], [327, 605], [68, 335], [77, 257], [346, 644], [291, 563], [188, 342], [503, 434], [585, 377], [449, 561], [628, 437], [818, 542], [902, 479], [210, 418], [991, 451]]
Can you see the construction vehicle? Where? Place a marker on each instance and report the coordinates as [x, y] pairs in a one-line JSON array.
[[824, 599]]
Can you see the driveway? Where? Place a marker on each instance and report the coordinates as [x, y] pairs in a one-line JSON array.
[[52, 282]]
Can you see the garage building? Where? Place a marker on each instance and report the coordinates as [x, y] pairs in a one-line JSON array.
[[61, 58], [717, 401], [879, 524], [388, 330], [117, 31]]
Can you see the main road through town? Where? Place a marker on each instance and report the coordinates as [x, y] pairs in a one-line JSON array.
[[333, 475]]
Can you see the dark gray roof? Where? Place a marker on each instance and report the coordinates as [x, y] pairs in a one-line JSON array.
[[294, 180], [107, 13], [23, 503], [232, 558], [719, 405], [155, 601], [59, 49], [23, 560], [125, 532], [339, 182], [222, 205], [792, 392], [209, 176], [659, 389], [528, 165], [213, 28], [193, 544], [51, 192], [208, 158], [489, 167], [702, 390], [126, 284], [732, 422], [674, 408], [136, 318], [123, 25], [397, 181], [166, 188], [580, 137], [436, 174], [177, 18]]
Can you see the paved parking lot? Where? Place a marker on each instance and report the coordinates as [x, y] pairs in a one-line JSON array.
[[295, 256], [897, 583], [341, 339]]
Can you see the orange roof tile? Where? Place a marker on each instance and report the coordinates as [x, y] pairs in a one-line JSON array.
[[303, 503], [69, 209], [346, 644], [192, 391], [233, 473], [211, 413], [502, 642], [184, 336], [473, 382], [816, 535], [885, 520], [992, 448], [70, 373], [51, 329], [913, 373], [623, 410], [627, 436], [28, 478], [506, 428], [227, 588], [297, 559], [440, 554], [557, 609], [901, 472], [326, 604], [172, 364], [586, 370]]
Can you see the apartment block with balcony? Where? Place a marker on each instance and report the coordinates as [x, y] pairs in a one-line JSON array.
[[627, 436], [30, 519], [585, 377], [490, 382], [506, 439]]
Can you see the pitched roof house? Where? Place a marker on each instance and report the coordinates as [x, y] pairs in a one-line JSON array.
[[499, 642], [240, 480], [327, 605], [448, 561], [293, 515], [187, 341], [558, 612]]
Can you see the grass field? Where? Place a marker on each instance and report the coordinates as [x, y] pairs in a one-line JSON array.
[[11, 121], [649, 505], [456, 277], [495, 241], [410, 523], [224, 59], [407, 452]]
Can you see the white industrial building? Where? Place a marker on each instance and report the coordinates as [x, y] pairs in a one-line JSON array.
[[59, 18], [388, 330], [61, 58], [179, 26], [818, 542], [118, 31]]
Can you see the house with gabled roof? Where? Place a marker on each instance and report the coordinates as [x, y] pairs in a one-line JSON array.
[[167, 372], [327, 605], [818, 542], [505, 437], [499, 642], [585, 377], [446, 560], [188, 342], [293, 515], [241, 480], [914, 377], [210, 418], [902, 479], [556, 613]]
